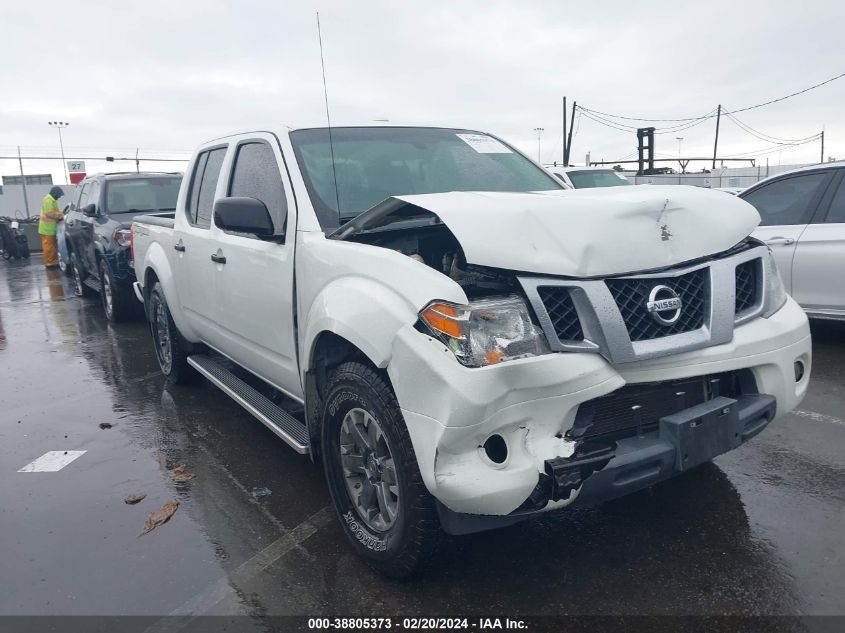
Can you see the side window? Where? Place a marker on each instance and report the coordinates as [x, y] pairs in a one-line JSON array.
[[205, 203], [836, 212], [256, 175], [83, 196], [94, 194], [194, 191], [786, 201]]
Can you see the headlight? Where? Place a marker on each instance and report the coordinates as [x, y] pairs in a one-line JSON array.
[[774, 294], [487, 331]]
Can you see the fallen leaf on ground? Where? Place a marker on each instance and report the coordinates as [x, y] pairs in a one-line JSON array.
[[179, 474], [133, 499], [160, 516]]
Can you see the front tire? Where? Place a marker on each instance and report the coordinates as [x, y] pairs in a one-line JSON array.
[[171, 349], [382, 503]]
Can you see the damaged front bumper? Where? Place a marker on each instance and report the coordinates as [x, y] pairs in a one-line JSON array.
[[537, 407]]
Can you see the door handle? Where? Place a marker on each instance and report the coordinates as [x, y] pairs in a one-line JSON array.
[[178, 246], [218, 258], [784, 241]]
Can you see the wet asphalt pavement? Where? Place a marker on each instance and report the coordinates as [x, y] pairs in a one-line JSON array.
[[759, 531]]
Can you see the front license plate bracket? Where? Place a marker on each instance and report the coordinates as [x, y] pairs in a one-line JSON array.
[[702, 432]]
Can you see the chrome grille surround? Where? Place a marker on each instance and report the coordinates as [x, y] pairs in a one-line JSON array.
[[604, 327]]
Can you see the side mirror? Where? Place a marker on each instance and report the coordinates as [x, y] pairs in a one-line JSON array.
[[90, 211], [244, 215]]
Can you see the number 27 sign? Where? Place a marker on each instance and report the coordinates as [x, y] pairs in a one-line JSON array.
[[76, 165]]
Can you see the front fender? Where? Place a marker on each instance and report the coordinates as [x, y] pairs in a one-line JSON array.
[[363, 311]]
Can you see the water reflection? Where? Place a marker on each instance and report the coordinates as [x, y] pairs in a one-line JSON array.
[[54, 284]]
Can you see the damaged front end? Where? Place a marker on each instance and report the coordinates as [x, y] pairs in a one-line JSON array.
[[525, 398]]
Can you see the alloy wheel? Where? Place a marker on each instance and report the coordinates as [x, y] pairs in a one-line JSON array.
[[77, 280], [107, 294], [161, 333], [369, 470]]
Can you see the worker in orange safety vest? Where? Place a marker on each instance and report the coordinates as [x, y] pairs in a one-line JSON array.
[[51, 215]]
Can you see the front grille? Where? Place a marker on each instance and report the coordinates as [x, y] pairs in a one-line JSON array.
[[631, 296], [747, 286], [638, 408], [561, 309]]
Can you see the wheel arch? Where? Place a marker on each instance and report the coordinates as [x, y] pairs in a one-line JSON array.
[[156, 268], [327, 351]]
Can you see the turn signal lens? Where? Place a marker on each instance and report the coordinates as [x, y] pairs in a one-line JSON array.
[[443, 318]]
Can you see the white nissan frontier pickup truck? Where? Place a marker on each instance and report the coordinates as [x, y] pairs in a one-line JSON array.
[[462, 342]]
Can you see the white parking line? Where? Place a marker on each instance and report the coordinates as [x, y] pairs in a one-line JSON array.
[[51, 461], [818, 417], [203, 602]]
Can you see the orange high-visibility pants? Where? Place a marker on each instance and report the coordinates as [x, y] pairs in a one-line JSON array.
[[50, 248]]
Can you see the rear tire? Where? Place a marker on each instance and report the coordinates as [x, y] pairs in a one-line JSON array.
[[171, 349], [79, 287], [116, 300], [382, 503]]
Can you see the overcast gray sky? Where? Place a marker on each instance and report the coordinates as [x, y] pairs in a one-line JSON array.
[[164, 76]]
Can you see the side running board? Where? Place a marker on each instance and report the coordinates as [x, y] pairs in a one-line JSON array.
[[271, 415]]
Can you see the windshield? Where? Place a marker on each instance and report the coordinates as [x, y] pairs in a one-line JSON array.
[[596, 178], [132, 195], [374, 163]]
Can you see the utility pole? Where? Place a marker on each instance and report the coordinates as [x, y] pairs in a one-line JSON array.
[[23, 182], [539, 131], [716, 142], [822, 157], [564, 132], [569, 142], [59, 125]]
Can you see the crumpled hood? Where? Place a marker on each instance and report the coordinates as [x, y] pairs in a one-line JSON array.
[[585, 232]]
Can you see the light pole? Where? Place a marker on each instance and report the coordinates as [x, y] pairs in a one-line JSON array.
[[59, 125], [679, 139], [539, 131]]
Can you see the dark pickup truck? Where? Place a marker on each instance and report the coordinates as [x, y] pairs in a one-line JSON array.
[[98, 237]]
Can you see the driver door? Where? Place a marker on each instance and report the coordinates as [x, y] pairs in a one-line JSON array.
[[254, 282]]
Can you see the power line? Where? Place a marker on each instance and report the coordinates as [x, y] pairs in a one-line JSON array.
[[624, 127], [763, 136], [772, 149], [634, 118], [710, 115], [800, 92]]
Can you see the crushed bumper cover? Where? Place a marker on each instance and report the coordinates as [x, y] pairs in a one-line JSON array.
[[603, 472]]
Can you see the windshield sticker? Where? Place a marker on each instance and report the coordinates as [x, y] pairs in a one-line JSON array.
[[484, 144]]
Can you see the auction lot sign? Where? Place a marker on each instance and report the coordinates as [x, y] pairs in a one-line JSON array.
[[76, 171]]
